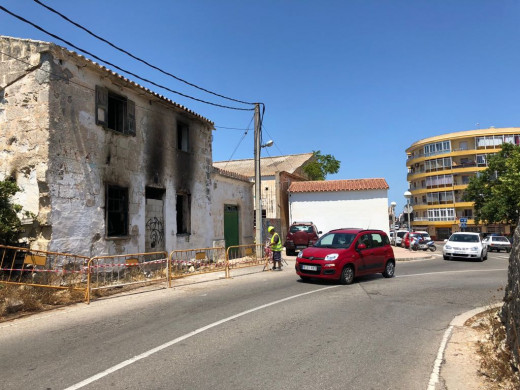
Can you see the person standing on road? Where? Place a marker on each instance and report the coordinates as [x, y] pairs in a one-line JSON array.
[[276, 247]]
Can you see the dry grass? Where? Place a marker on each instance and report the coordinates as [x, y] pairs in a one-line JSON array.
[[16, 301], [497, 365]]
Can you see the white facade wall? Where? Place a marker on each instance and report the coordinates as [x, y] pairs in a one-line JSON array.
[[229, 191], [342, 209], [63, 160]]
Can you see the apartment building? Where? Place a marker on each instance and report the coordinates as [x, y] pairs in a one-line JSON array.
[[439, 170]]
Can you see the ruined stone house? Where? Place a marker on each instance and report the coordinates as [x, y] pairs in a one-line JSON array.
[[108, 166]]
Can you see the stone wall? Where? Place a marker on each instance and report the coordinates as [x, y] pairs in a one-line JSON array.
[[511, 310]]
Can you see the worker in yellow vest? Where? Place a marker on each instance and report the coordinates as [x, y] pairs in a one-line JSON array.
[[276, 247]]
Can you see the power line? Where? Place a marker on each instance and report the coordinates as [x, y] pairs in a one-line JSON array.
[[119, 68], [135, 57], [239, 142]]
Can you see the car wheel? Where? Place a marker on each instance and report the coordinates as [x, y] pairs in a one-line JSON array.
[[446, 257], [304, 278], [485, 256], [347, 275], [508, 250], [389, 271], [481, 256]]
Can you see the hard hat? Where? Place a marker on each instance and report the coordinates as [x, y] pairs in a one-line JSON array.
[[270, 229]]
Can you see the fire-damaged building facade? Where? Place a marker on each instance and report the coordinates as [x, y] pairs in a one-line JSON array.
[[105, 165]]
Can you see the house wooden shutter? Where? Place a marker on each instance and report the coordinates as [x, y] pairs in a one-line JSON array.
[[101, 106], [130, 118]]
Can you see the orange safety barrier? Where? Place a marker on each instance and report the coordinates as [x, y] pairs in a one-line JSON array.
[[240, 256], [105, 272], [197, 261], [37, 268]]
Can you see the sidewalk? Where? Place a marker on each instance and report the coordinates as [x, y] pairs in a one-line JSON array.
[[403, 254]]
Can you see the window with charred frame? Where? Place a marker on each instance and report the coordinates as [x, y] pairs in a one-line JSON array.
[[183, 213], [114, 112], [116, 207], [183, 135]]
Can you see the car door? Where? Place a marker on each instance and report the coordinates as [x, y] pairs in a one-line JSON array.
[[367, 256], [377, 261]]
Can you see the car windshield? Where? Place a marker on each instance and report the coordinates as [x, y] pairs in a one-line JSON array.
[[500, 238], [335, 240], [300, 228], [464, 238]]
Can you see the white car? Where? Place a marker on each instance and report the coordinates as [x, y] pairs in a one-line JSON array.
[[465, 245], [496, 243]]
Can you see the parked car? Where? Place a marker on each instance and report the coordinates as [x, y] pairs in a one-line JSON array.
[[399, 237], [405, 243], [497, 243], [300, 236], [344, 254], [467, 245]]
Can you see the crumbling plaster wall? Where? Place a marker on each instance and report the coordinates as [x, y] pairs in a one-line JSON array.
[[84, 157], [24, 128]]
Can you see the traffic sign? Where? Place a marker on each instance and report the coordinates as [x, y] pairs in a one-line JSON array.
[[463, 220], [463, 224]]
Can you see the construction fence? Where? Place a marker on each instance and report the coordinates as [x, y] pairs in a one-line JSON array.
[[25, 266]]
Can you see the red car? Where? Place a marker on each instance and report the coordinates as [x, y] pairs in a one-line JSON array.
[[300, 236], [344, 254], [405, 243]]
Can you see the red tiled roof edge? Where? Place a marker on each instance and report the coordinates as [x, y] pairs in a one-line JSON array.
[[339, 185]]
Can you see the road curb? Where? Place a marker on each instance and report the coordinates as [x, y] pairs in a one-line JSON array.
[[456, 322]]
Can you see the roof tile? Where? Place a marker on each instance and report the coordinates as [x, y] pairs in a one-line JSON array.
[[339, 185]]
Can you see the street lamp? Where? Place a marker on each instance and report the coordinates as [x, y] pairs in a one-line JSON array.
[[392, 205], [408, 195]]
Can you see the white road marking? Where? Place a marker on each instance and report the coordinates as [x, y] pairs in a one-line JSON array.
[[150, 352], [184, 337]]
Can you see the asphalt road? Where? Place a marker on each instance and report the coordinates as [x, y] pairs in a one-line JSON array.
[[256, 331]]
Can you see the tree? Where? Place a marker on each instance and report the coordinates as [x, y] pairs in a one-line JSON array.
[[321, 166], [10, 224], [495, 190]]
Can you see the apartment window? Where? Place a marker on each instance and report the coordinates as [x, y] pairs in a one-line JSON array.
[[465, 179], [183, 137], [463, 145], [439, 181], [437, 148], [481, 160], [441, 214], [114, 112], [183, 213], [116, 206]]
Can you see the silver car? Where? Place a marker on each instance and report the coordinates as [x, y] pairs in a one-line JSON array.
[[465, 245], [497, 243]]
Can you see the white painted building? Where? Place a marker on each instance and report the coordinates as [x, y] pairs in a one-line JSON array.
[[334, 204]]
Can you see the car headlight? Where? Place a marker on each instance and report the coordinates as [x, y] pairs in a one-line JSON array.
[[474, 249], [331, 257], [447, 246], [300, 254]]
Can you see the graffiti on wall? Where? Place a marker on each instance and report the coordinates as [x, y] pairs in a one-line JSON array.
[[155, 229]]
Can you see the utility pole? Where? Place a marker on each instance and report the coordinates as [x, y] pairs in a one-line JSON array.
[[258, 200]]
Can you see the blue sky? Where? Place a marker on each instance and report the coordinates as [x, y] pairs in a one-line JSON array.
[[358, 79]]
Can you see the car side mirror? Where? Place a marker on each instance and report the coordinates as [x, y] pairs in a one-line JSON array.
[[445, 240], [319, 232], [361, 246]]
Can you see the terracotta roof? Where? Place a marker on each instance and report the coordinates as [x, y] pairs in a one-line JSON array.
[[268, 165], [339, 185], [120, 77]]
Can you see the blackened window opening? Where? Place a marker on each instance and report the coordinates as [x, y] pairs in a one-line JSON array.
[[117, 211], [116, 112], [183, 213]]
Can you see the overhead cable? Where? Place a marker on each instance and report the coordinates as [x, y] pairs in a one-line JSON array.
[[119, 68], [135, 57]]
